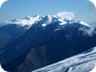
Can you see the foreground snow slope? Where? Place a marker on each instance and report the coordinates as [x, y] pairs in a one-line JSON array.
[[83, 62]]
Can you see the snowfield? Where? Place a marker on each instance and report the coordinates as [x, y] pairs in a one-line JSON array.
[[83, 62]]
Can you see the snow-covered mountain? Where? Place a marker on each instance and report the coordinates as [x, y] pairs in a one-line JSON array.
[[83, 62], [14, 28], [9, 30], [48, 39], [24, 21]]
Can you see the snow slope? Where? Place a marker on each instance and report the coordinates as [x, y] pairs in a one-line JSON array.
[[83, 62]]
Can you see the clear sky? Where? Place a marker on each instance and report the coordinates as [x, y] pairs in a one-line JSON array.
[[12, 9]]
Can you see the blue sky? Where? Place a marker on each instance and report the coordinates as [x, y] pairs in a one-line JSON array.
[[12, 9]]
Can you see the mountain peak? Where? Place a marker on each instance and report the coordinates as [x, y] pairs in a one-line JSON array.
[[61, 17], [23, 21]]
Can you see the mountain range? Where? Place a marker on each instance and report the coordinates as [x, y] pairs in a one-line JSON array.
[[29, 43]]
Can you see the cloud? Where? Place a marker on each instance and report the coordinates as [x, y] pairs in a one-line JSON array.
[[66, 15], [2, 1], [89, 32]]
